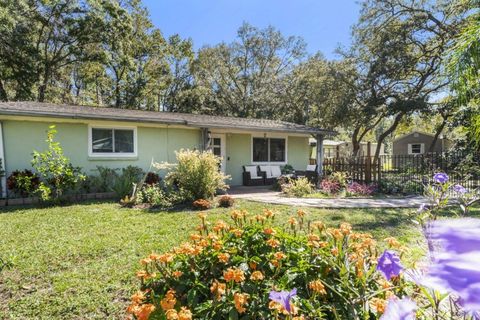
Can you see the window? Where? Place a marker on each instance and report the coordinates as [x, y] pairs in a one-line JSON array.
[[268, 150], [415, 148], [112, 142]]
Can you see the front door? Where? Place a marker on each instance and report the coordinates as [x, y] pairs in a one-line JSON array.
[[218, 148]]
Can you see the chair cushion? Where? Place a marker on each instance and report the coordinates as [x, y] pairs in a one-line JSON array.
[[253, 172], [276, 172], [311, 167], [267, 170]]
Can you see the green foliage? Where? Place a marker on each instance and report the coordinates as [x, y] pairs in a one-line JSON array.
[[197, 175], [23, 183], [104, 180], [287, 169], [333, 271], [127, 181], [157, 197], [300, 187], [57, 173]]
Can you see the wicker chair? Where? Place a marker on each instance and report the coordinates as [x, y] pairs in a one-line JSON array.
[[252, 177], [270, 173]]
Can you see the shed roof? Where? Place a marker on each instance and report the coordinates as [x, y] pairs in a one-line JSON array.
[[37, 109]]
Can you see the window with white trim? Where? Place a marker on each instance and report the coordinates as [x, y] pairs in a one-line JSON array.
[[112, 141], [415, 148], [268, 150]]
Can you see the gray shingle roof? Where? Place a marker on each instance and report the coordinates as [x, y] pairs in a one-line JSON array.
[[38, 109]]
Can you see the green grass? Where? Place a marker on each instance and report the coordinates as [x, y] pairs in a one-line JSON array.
[[78, 262]]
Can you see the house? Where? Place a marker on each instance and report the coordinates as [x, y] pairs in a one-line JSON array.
[[416, 142], [116, 138], [333, 149]]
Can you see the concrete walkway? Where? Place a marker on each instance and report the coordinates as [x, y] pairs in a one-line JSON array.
[[273, 197]]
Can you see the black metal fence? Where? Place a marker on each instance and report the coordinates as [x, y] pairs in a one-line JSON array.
[[408, 173]]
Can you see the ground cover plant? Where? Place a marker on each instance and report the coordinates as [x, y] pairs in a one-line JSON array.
[[77, 262]]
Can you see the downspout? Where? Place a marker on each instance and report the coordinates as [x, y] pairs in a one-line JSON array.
[[4, 165]]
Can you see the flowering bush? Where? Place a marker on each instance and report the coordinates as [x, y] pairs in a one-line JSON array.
[[361, 189], [202, 204], [226, 201], [330, 186], [298, 187], [250, 269]]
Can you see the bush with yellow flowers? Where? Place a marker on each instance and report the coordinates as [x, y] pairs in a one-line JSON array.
[[251, 269]]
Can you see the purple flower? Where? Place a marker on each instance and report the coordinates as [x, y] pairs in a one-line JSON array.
[[403, 309], [460, 189], [456, 266], [389, 264], [440, 177], [283, 297]]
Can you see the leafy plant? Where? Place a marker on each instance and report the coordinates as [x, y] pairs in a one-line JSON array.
[[155, 196], [197, 175], [23, 183], [237, 270], [152, 178], [287, 169], [361, 189], [330, 186], [127, 181], [57, 174], [298, 187], [226, 201]]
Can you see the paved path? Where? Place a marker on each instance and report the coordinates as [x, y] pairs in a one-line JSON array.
[[275, 198]]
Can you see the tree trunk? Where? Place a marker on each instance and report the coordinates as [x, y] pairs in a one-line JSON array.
[[437, 134], [3, 93], [355, 142], [385, 134], [43, 87]]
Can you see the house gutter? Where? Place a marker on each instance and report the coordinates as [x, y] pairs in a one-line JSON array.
[[3, 180]]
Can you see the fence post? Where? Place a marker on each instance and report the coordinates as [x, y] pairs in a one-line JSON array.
[[368, 164]]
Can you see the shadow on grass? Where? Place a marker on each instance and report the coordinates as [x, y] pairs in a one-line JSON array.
[[26, 207]]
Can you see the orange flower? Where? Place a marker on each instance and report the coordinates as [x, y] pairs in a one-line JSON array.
[[345, 228], [154, 256], [202, 216], [279, 255], [144, 275], [317, 287], [301, 213], [138, 297], [313, 237], [237, 214], [292, 221], [219, 226], [260, 218], [393, 242], [237, 232], [144, 311], [275, 262], [336, 233], [378, 304], [256, 276], [218, 289], [335, 251], [234, 274], [171, 314], [240, 300], [145, 261], [317, 224], [269, 231], [253, 265], [169, 301], [273, 243], [195, 237], [268, 213], [184, 314], [177, 274], [223, 257], [166, 258]]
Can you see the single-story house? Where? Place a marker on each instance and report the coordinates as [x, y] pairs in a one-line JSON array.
[[332, 149], [116, 138], [416, 143]]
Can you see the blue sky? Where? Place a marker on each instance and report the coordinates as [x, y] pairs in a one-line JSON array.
[[322, 23]]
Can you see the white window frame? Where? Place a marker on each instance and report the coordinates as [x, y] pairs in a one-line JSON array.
[[270, 136], [410, 149], [92, 154]]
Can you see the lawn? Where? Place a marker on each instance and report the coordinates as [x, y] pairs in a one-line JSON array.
[[78, 262]]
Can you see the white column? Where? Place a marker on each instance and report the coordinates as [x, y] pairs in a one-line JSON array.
[[320, 155], [4, 167]]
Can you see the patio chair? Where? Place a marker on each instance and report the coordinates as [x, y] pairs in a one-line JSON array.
[[251, 176], [310, 173], [270, 173]]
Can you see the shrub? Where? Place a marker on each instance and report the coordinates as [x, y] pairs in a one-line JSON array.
[[287, 169], [155, 196], [202, 204], [152, 178], [104, 181], [23, 183], [340, 177], [361, 189], [127, 181], [58, 175], [298, 187], [197, 175], [226, 201], [330, 186], [229, 271]]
